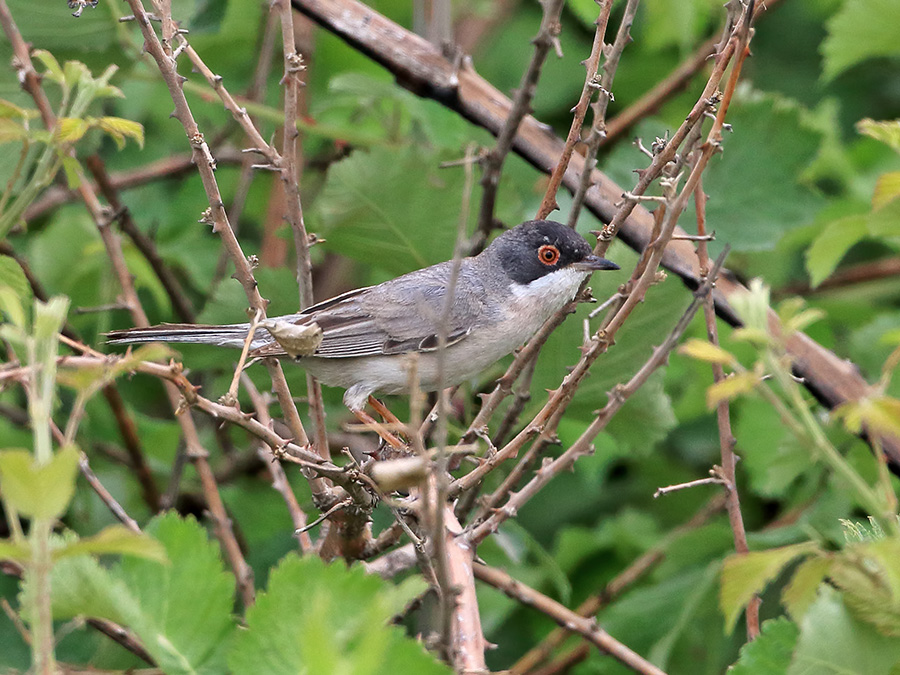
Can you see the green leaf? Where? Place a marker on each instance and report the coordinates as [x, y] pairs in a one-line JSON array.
[[861, 29], [732, 386], [173, 598], [80, 586], [833, 642], [15, 291], [803, 587], [116, 540], [71, 129], [761, 170], [887, 189], [9, 550], [770, 653], [703, 350], [886, 132], [321, 618], [8, 110], [11, 131], [877, 414], [838, 237], [120, 129], [745, 575], [49, 317], [54, 70], [39, 491]]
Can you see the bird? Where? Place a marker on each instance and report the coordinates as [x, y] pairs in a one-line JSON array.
[[500, 298]]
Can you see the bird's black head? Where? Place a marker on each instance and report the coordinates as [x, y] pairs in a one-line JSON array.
[[538, 247]]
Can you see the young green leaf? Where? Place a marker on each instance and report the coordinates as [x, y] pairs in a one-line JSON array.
[[801, 591], [115, 540], [732, 386], [747, 574], [39, 490], [860, 30], [703, 350]]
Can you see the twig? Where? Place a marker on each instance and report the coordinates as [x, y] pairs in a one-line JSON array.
[[566, 617], [276, 471], [145, 244], [668, 489], [493, 160], [548, 204], [105, 495], [600, 106]]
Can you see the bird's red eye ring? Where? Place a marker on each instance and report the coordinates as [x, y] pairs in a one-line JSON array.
[[549, 255]]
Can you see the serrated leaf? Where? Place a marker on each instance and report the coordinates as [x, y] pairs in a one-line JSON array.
[[770, 653], [886, 132], [826, 251], [703, 350], [887, 189], [15, 292], [39, 490], [321, 618], [833, 642], [115, 540], [860, 30], [732, 386], [120, 129], [172, 597], [745, 575], [80, 586], [803, 587]]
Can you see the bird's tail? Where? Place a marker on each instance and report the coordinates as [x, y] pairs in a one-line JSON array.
[[222, 336]]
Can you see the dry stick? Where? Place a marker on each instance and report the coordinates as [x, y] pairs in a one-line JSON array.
[[216, 213], [276, 471], [600, 106], [548, 204], [286, 167], [180, 303], [114, 252], [289, 172], [723, 417], [582, 445], [493, 160], [668, 87], [105, 495], [566, 617], [625, 579]]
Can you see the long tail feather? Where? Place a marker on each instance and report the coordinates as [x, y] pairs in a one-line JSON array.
[[222, 336]]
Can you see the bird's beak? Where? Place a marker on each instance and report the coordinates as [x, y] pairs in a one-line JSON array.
[[593, 263]]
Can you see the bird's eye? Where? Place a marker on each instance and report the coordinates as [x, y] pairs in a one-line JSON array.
[[549, 255]]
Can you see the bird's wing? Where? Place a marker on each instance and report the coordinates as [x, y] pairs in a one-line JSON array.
[[399, 316]]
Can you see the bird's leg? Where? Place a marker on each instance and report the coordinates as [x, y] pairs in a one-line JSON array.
[[386, 414], [380, 429]]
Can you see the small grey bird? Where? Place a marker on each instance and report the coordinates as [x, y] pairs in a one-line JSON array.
[[501, 297]]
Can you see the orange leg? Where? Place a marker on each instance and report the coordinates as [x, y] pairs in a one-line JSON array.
[[386, 414], [379, 429]]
